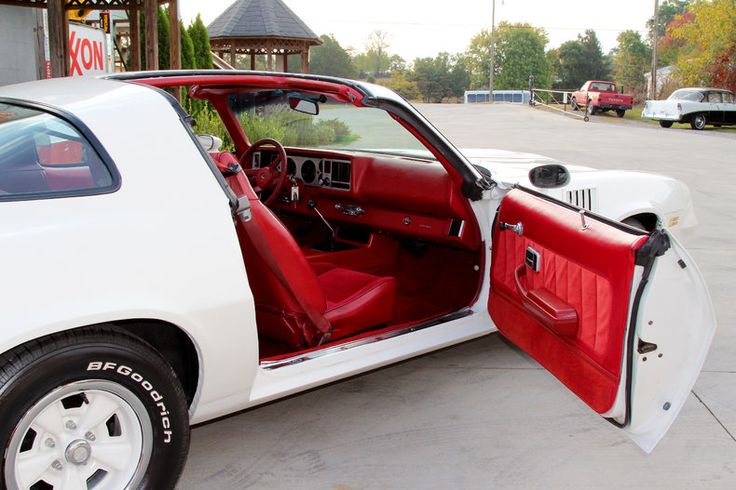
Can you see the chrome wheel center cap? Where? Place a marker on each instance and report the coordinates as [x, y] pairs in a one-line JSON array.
[[78, 452]]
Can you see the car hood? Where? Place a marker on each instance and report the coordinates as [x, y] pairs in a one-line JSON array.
[[513, 167]]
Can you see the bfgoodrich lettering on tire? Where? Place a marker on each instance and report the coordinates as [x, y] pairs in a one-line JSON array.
[[91, 408]]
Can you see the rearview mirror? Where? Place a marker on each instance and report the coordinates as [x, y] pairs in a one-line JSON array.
[[549, 176], [306, 106]]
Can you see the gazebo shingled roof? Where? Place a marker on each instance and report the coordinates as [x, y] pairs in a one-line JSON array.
[[261, 27]]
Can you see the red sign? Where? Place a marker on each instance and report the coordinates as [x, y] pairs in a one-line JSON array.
[[86, 51]]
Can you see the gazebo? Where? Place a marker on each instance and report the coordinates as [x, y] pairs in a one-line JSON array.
[[59, 29], [262, 27]]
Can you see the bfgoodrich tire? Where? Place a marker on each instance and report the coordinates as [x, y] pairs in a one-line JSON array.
[[91, 408], [698, 122]]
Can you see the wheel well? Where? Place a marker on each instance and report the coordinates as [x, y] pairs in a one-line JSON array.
[[174, 345], [649, 220]]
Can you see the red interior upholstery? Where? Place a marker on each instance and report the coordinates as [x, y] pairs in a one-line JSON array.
[[589, 272], [351, 301]]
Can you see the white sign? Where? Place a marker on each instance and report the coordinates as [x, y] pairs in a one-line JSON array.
[[87, 51]]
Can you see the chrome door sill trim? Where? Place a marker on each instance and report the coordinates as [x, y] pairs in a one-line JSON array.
[[289, 361]]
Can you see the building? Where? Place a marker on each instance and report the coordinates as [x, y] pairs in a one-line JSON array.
[[21, 44]]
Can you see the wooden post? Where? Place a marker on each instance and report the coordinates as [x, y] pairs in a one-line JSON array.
[[252, 61], [233, 54], [269, 58], [41, 69], [286, 62], [58, 38], [134, 16], [151, 28], [305, 60], [175, 36]]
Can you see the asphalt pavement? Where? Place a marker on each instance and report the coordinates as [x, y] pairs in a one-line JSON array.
[[483, 414]]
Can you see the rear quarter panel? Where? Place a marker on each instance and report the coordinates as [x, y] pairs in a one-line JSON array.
[[162, 247]]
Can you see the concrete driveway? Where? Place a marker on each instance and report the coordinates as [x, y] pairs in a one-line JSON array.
[[482, 414]]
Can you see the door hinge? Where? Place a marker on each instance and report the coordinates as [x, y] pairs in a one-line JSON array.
[[656, 246]]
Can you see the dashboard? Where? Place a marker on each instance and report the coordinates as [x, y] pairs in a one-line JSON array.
[[399, 195], [313, 170]]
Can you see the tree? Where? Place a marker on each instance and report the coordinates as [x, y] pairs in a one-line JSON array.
[[519, 53], [631, 58], [581, 60], [201, 42], [668, 10], [440, 77], [187, 48], [162, 22], [709, 55], [164, 39], [669, 48], [402, 85], [377, 52], [478, 59], [331, 59]]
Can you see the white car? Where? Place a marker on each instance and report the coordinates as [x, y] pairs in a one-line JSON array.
[[149, 285], [697, 106]]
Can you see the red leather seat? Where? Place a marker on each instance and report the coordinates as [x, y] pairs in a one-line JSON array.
[[350, 301]]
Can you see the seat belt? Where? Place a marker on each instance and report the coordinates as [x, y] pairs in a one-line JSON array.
[[244, 215]]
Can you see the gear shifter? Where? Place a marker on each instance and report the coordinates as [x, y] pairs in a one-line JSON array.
[[311, 204]]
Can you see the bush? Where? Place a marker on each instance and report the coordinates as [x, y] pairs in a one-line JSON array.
[[294, 129], [288, 128]]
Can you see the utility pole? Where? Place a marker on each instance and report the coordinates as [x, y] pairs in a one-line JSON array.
[[655, 43], [493, 52]]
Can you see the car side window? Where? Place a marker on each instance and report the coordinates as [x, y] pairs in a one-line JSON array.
[[42, 156], [714, 97], [728, 97]]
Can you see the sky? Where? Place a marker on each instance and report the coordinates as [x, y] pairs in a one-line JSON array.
[[421, 28]]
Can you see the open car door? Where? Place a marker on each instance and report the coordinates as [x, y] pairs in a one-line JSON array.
[[620, 316]]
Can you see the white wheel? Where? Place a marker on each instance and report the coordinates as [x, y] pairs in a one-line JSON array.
[[87, 434], [94, 408]]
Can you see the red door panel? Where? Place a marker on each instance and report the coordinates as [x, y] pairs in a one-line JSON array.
[[570, 315]]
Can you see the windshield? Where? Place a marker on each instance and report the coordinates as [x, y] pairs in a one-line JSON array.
[[693, 95], [339, 125]]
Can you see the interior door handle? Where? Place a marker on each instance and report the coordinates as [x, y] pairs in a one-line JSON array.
[[546, 307], [518, 228]]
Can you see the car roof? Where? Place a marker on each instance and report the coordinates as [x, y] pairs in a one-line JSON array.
[[75, 95], [705, 89]]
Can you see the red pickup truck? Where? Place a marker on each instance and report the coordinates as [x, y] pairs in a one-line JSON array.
[[599, 96]]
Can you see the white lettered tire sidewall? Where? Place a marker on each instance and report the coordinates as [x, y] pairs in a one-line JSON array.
[[31, 372]]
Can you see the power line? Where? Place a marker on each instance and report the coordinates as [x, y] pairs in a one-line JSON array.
[[478, 25]]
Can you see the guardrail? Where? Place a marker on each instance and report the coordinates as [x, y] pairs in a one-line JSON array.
[[552, 99]]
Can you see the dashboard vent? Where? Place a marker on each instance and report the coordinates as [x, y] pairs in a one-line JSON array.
[[582, 198], [339, 173]]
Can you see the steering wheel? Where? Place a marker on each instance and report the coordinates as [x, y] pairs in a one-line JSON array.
[[268, 178]]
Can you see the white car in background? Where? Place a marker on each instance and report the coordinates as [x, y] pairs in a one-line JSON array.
[[697, 106], [150, 283]]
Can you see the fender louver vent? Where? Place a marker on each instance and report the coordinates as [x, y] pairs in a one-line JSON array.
[[582, 198]]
